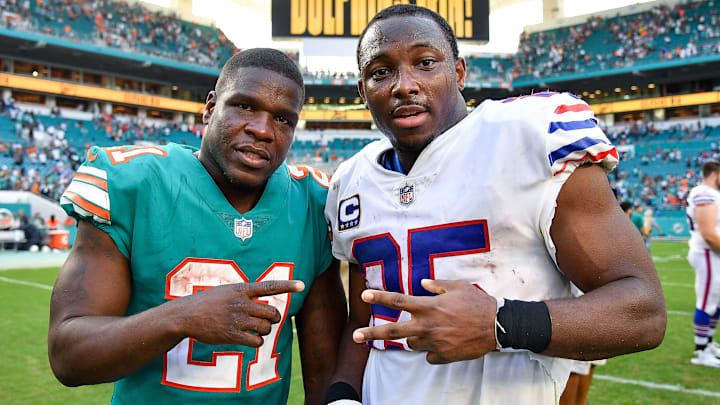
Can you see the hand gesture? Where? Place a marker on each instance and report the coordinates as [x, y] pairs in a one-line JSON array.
[[457, 324], [231, 314]]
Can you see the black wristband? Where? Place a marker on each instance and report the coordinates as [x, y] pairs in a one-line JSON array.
[[524, 325], [341, 390]]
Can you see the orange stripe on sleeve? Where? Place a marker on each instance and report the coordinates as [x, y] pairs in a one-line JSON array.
[[92, 180], [87, 206]]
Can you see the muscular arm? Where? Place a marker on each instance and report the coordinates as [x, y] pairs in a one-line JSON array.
[[706, 218], [320, 324], [623, 309], [352, 356], [598, 248], [90, 340]]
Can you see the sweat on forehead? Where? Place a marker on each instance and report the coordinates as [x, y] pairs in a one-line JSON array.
[[400, 30], [408, 11]]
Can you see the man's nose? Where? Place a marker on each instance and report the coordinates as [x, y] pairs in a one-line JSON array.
[[260, 125], [405, 83]]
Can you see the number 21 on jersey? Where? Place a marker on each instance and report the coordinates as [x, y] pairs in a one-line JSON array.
[[224, 372]]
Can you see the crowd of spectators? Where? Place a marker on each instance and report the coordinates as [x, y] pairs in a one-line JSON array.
[[667, 190], [131, 27], [661, 33], [660, 191], [328, 74], [647, 132], [40, 159]]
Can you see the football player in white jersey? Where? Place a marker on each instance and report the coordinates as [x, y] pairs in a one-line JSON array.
[[467, 230], [702, 213]]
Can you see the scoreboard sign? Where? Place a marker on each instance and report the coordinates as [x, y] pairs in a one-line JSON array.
[[348, 18]]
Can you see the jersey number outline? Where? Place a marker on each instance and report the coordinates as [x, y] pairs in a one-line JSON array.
[[123, 154], [224, 372], [302, 171], [424, 245]]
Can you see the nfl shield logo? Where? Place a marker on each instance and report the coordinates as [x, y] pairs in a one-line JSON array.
[[407, 194], [243, 228]]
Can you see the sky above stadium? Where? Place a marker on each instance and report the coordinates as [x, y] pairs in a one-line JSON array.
[[506, 24]]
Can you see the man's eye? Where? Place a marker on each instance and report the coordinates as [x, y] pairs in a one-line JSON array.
[[243, 106], [380, 73], [282, 120], [427, 62]]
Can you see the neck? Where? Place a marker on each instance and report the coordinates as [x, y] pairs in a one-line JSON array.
[[710, 182], [408, 157], [242, 197]]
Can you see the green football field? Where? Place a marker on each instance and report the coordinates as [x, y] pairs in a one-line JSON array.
[[660, 376]]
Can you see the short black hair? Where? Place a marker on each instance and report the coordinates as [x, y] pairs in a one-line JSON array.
[[710, 167], [265, 58], [625, 206], [411, 10]]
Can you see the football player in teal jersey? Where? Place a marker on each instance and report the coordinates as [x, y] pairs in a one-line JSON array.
[[188, 265]]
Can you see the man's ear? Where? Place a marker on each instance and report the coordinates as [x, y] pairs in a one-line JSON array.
[[461, 73], [361, 90], [209, 106]]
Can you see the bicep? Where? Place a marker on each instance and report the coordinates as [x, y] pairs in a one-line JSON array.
[[595, 242], [706, 218], [95, 279]]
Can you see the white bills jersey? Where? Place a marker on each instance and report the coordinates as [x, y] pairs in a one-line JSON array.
[[476, 206], [698, 196]]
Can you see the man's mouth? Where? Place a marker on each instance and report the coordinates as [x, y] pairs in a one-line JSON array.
[[252, 156], [409, 116]]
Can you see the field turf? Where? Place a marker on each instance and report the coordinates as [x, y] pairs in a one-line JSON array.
[[660, 376]]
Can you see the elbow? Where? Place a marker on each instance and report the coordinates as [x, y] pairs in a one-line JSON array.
[[62, 373], [655, 323], [61, 364], [661, 324]]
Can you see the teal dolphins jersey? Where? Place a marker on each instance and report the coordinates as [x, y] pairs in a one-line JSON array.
[[181, 235]]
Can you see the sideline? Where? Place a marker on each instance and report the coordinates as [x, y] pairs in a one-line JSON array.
[[677, 284], [663, 259], [28, 283], [49, 288], [28, 260], [655, 386]]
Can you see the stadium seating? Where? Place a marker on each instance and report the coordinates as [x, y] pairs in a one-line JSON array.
[[662, 33], [687, 30], [131, 27]]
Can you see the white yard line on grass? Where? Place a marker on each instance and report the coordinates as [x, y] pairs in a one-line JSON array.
[[23, 268], [661, 259], [656, 386], [31, 284], [46, 287], [677, 284], [679, 312]]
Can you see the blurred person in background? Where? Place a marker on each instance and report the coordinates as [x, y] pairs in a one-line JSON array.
[[704, 256]]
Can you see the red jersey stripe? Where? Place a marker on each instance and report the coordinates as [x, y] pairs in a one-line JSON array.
[[561, 109]]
